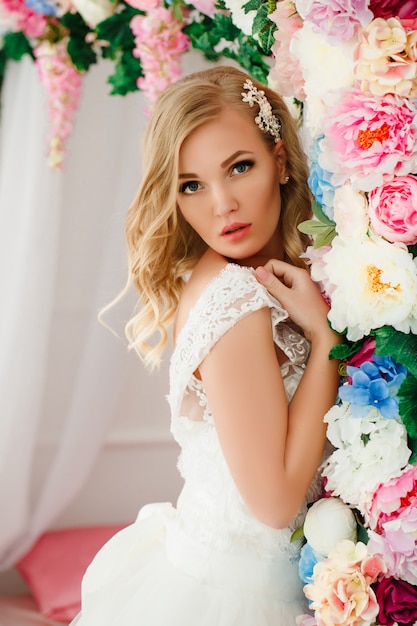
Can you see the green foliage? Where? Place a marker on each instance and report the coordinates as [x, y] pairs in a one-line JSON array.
[[344, 350], [15, 46], [322, 229], [207, 34], [80, 50], [120, 42], [402, 347], [262, 25]]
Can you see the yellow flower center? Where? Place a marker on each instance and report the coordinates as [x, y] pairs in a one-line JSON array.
[[374, 280], [366, 138]]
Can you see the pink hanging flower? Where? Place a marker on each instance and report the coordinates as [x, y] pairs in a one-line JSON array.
[[369, 140], [286, 75], [160, 43], [31, 23], [62, 83]]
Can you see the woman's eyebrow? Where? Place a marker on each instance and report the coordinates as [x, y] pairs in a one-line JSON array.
[[222, 165]]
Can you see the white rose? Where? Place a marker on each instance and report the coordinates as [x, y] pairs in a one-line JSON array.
[[327, 522]]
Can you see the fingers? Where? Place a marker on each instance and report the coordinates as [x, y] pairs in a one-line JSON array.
[[274, 274]]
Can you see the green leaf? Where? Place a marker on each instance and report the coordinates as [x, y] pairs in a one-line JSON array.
[[16, 45], [343, 351], [297, 534], [413, 249], [127, 70], [402, 347], [412, 444], [252, 5], [407, 395], [320, 214], [322, 233], [264, 28], [117, 32]]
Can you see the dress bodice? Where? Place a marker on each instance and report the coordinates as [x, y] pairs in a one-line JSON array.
[[210, 506]]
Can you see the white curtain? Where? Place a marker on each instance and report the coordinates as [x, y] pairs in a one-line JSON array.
[[62, 257]]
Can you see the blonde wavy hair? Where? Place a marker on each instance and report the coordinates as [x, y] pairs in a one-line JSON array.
[[162, 247]]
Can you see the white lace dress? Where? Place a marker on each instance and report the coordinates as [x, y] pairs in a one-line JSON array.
[[208, 561]]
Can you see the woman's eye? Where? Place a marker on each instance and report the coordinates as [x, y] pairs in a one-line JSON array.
[[190, 187], [241, 167]]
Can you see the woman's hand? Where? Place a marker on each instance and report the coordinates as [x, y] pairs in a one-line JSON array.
[[299, 295]]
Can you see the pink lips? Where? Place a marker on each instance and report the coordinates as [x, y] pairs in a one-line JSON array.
[[235, 231]]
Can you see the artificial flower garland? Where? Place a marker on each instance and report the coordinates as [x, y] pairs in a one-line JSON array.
[[145, 40], [348, 70], [354, 69]]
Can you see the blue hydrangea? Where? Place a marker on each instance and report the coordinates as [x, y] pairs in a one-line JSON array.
[[374, 384], [43, 7], [320, 181], [306, 564]]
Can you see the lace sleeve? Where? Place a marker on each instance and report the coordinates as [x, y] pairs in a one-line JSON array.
[[232, 295]]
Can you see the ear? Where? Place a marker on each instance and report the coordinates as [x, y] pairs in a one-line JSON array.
[[281, 160]]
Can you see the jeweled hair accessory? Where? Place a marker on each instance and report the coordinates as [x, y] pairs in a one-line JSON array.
[[266, 120]]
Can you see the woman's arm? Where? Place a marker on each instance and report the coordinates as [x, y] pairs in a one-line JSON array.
[[272, 449]]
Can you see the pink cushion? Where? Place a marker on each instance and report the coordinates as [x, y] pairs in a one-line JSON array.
[[55, 565]]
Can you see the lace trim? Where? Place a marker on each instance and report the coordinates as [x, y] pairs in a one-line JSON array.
[[231, 295]]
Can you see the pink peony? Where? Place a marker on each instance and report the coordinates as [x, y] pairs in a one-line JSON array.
[[286, 75], [392, 498], [338, 20], [392, 519], [369, 140], [397, 601], [392, 209], [393, 8]]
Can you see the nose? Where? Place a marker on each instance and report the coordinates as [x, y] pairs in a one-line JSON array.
[[224, 200]]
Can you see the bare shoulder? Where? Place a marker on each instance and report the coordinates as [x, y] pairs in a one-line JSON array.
[[207, 268]]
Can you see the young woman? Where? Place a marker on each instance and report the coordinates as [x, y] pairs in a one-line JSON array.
[[224, 188]]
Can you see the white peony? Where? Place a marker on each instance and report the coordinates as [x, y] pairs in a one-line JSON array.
[[327, 70], [350, 213], [369, 451], [94, 11], [327, 522], [375, 284]]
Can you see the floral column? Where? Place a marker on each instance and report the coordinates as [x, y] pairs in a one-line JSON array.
[[352, 68]]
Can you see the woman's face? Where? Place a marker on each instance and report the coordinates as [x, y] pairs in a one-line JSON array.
[[229, 188]]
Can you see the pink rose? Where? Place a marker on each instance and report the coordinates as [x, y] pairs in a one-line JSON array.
[[392, 209], [397, 601]]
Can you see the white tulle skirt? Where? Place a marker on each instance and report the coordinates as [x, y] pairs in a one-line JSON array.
[[153, 574]]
